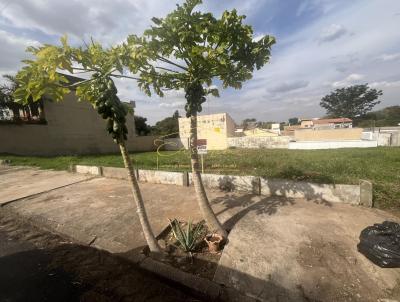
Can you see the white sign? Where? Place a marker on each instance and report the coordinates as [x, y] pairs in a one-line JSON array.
[[202, 149]]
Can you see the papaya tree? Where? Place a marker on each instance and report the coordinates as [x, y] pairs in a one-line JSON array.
[[40, 78], [189, 50]]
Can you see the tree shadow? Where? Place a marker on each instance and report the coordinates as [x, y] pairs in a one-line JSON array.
[[245, 204], [74, 272], [278, 193]]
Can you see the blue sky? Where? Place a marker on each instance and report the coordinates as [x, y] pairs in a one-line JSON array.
[[321, 45]]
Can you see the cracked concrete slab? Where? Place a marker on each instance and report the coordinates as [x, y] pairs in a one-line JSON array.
[[101, 211], [298, 250], [17, 182]]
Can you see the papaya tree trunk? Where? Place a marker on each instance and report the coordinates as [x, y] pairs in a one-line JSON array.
[[137, 196], [201, 195]]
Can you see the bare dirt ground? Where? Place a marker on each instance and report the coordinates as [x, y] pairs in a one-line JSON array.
[[279, 249], [299, 250], [40, 266]]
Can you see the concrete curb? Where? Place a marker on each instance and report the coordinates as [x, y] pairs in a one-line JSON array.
[[203, 287], [351, 194]]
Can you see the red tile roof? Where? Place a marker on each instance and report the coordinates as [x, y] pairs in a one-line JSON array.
[[333, 121]]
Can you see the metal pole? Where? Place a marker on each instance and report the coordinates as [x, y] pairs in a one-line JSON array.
[[202, 164]]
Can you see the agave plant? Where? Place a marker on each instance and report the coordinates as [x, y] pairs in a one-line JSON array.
[[189, 237]]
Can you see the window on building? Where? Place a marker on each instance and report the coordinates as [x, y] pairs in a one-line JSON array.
[[32, 113]]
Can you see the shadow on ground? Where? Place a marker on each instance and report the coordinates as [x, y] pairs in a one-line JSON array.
[[261, 205]]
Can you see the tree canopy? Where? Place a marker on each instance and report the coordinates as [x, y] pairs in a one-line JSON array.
[[142, 129], [389, 116], [294, 121], [204, 48], [168, 127], [351, 101]]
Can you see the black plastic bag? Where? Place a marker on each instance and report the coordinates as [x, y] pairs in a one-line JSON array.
[[380, 243]]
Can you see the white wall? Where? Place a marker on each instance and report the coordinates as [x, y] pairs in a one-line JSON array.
[[314, 145]]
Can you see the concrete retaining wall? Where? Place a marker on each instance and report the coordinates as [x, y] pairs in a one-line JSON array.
[[269, 142], [296, 189], [351, 194], [332, 145], [93, 170], [162, 177], [111, 172], [230, 183]]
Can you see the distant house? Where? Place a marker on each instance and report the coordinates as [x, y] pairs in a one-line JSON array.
[[333, 123], [63, 128]]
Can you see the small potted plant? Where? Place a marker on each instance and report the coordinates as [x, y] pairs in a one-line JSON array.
[[214, 242]]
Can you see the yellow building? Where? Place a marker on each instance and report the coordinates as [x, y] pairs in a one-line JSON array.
[[215, 128]]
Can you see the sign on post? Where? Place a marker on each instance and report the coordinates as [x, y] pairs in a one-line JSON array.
[[201, 145]]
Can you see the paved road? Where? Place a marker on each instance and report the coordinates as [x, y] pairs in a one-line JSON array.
[[25, 276], [40, 266]]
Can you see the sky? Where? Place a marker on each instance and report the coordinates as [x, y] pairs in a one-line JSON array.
[[321, 45]]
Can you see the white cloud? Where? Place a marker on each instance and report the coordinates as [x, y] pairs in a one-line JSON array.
[[12, 51], [177, 104], [354, 77], [348, 40], [106, 21], [350, 79], [331, 33], [289, 86], [390, 57], [385, 84]]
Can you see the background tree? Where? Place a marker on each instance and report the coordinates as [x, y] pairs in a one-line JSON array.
[[7, 104], [167, 127], [389, 116], [39, 77], [351, 101], [293, 121], [189, 49], [249, 123], [141, 126], [6, 98]]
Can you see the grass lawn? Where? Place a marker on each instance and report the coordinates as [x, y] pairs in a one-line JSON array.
[[346, 166]]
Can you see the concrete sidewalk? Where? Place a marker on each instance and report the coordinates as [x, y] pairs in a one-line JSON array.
[[20, 182], [99, 211], [285, 249]]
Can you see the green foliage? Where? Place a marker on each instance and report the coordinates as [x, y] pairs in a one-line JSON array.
[[204, 48], [248, 123], [6, 95], [141, 126], [351, 101], [389, 116], [186, 50], [40, 77], [102, 93], [294, 121], [7, 102], [168, 127], [189, 237]]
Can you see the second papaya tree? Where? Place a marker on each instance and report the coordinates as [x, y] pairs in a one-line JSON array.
[[189, 50]]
